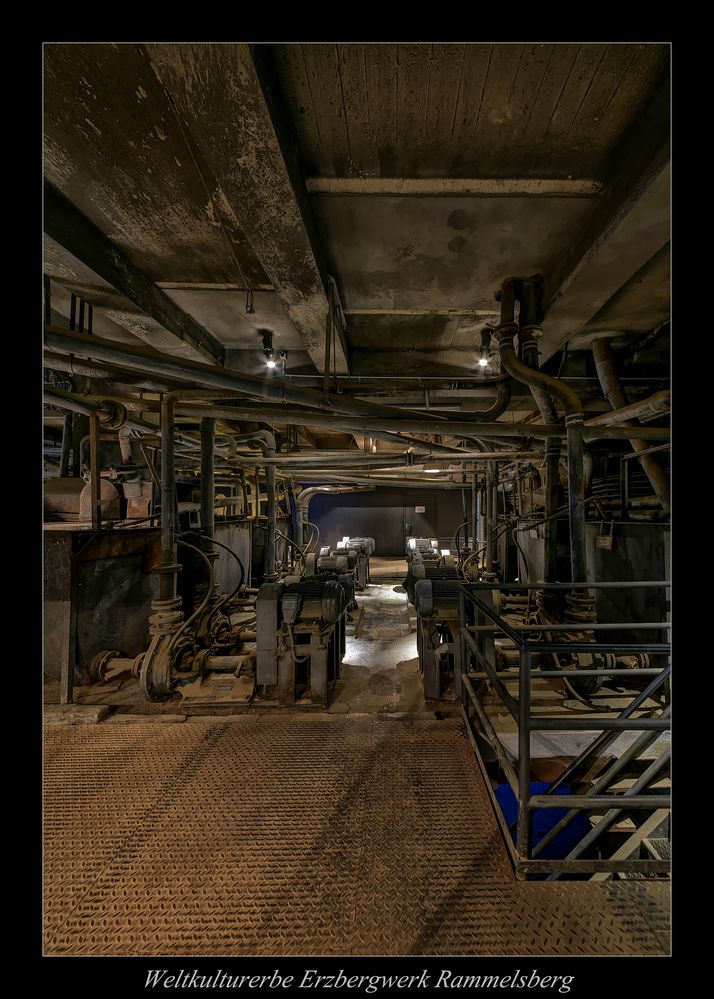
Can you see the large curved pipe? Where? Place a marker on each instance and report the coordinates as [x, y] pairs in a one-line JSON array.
[[302, 504], [615, 395], [573, 424]]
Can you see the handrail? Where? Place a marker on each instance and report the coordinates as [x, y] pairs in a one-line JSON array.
[[600, 797]]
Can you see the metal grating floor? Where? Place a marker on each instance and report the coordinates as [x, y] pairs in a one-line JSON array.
[[302, 834]]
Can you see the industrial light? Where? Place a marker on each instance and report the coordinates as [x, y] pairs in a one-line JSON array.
[[482, 362], [270, 357], [432, 470]]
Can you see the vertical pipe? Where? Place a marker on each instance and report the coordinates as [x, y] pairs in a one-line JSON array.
[[272, 518], [168, 499], [552, 482], [328, 339], [94, 470], [208, 492], [66, 446], [80, 430], [576, 497], [474, 509], [489, 515]]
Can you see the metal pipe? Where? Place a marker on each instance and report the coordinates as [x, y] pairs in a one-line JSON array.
[[302, 504], [474, 510], [258, 414], [544, 401], [110, 414], [106, 371], [211, 376], [66, 446], [94, 473], [656, 405], [208, 509], [168, 494], [272, 523], [615, 395], [573, 424], [490, 526]]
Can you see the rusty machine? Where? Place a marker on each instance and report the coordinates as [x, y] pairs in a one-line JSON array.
[[218, 637], [301, 636], [432, 586], [363, 547]]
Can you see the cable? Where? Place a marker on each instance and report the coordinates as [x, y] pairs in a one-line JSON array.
[[209, 592], [315, 540], [200, 534], [525, 560]]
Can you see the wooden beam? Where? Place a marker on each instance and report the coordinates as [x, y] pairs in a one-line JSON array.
[[218, 92], [68, 227]]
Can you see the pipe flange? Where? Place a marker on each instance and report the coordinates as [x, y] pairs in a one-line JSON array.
[[98, 667], [506, 332], [167, 567], [116, 415], [199, 662], [155, 676]]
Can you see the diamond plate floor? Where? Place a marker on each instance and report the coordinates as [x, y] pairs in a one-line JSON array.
[[305, 834]]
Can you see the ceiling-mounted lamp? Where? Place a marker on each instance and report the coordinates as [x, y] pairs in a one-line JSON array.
[[268, 355], [483, 360]]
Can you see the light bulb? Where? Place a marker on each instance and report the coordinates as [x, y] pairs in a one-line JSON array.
[[482, 362], [270, 364]]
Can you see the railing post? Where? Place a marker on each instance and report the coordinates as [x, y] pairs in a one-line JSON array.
[[523, 836]]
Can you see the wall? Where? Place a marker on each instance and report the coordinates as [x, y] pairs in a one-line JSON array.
[[639, 552], [106, 580], [385, 513]]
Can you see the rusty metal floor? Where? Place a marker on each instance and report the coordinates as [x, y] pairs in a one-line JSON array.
[[301, 834]]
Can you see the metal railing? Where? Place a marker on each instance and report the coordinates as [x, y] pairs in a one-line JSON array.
[[480, 624]]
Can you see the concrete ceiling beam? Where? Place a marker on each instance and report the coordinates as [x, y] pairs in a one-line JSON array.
[[80, 237], [232, 111], [454, 186], [629, 225]]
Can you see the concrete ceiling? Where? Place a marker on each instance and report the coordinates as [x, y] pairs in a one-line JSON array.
[[180, 177]]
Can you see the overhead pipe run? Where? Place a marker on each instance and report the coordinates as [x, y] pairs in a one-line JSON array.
[[573, 424], [646, 409], [111, 415], [212, 376], [255, 412]]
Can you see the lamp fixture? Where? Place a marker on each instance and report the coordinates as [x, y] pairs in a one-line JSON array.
[[483, 360], [267, 353]]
